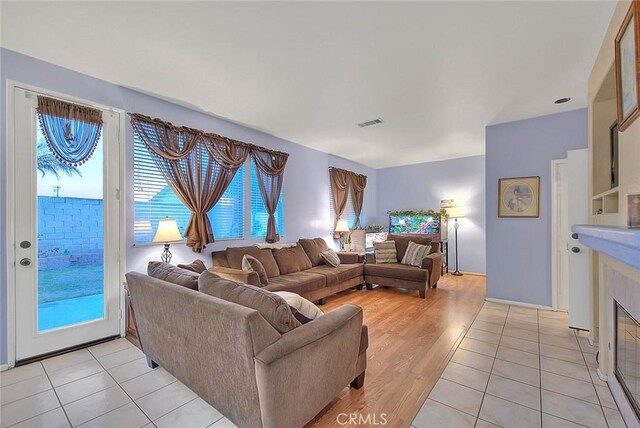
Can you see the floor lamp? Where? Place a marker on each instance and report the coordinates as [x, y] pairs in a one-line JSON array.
[[455, 213]]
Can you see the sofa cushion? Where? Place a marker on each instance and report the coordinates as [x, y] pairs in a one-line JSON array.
[[273, 308], [313, 248], [173, 274], [235, 255], [251, 264], [300, 306], [396, 270], [385, 252], [415, 253], [330, 258], [298, 282], [292, 259], [342, 273], [196, 266], [402, 242]]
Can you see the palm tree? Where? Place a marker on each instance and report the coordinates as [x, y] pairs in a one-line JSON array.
[[49, 163]]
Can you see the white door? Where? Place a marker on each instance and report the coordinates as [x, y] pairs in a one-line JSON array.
[[66, 238], [560, 243], [580, 294]]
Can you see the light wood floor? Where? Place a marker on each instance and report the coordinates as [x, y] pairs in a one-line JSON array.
[[410, 342]]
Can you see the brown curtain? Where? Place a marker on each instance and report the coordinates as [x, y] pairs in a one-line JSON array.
[[339, 192], [270, 172], [198, 168], [358, 183]]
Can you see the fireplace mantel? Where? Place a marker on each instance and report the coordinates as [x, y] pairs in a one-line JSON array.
[[617, 242]]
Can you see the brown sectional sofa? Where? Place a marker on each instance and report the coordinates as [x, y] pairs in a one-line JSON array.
[[232, 357], [297, 269], [404, 276]]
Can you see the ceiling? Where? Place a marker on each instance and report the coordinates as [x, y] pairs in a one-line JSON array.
[[436, 73]]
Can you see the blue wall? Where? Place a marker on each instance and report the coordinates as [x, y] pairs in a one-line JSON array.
[[306, 184], [519, 249], [423, 185]]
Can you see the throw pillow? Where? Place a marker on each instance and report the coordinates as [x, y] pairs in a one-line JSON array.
[[330, 257], [196, 266], [251, 264], [415, 253], [303, 310], [173, 274], [273, 308], [385, 252]]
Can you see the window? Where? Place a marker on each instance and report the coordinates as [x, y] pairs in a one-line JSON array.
[[349, 213], [259, 214], [154, 200]]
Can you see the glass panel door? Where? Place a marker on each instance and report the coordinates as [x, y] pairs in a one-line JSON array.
[[67, 238]]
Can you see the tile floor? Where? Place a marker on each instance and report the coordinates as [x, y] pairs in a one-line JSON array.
[[108, 385], [520, 367]]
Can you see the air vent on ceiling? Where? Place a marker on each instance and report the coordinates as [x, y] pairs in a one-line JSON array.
[[370, 123]]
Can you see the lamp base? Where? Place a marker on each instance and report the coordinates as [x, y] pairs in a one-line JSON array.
[[166, 254], [457, 273]]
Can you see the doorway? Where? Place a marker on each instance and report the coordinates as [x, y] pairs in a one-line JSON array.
[[65, 234], [560, 228]]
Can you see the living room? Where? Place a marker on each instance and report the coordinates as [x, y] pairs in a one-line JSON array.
[[387, 214]]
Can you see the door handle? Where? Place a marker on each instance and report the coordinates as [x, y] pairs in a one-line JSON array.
[[25, 262], [575, 249]]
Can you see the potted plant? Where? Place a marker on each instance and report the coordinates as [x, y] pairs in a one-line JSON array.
[[347, 243]]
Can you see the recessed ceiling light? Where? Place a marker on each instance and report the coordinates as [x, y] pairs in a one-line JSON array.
[[562, 100]]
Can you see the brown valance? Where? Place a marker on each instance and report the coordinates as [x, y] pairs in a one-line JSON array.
[[205, 137]]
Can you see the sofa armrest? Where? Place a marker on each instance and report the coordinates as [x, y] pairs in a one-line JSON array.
[[251, 278], [348, 258], [433, 263], [313, 332], [370, 258], [315, 361]]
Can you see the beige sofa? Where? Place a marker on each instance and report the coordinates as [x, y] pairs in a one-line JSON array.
[[404, 276], [238, 362], [299, 269]]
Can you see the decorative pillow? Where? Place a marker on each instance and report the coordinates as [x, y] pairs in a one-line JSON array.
[[313, 248], [251, 264], [385, 252], [196, 266], [173, 274], [303, 310], [402, 242], [235, 255], [273, 308], [292, 260], [415, 253], [330, 257]]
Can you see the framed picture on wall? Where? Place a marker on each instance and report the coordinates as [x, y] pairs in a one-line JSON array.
[[519, 197], [627, 50]]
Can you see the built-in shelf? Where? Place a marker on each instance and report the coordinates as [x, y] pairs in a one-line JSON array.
[[605, 202]]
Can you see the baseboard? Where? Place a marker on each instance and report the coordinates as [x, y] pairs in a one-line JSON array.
[[474, 273], [526, 305], [4, 367]]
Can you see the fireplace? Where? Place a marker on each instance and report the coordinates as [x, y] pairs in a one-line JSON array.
[[627, 355]]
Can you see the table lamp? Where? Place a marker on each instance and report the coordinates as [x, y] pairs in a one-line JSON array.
[[455, 213], [167, 232], [341, 228]]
